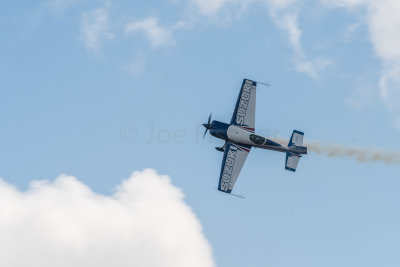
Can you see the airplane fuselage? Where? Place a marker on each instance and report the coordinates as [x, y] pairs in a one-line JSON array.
[[243, 136], [239, 138]]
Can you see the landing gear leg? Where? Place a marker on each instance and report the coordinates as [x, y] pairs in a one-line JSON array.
[[221, 149]]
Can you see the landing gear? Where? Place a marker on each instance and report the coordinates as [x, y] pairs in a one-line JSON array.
[[221, 149]]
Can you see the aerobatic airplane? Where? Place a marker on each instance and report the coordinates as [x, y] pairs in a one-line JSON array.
[[240, 138]]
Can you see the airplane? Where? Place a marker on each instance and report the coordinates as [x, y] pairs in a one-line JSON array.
[[239, 138]]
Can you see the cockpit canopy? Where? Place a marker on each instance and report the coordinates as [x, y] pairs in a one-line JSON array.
[[256, 139]]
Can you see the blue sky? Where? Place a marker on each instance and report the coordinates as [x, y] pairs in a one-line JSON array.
[[85, 84]]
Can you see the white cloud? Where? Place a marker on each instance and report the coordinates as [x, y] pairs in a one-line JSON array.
[[286, 21], [63, 223], [280, 4], [94, 28], [209, 7], [383, 22], [289, 24], [155, 33], [218, 12], [390, 86], [212, 7]]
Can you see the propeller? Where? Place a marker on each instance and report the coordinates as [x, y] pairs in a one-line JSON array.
[[207, 126]]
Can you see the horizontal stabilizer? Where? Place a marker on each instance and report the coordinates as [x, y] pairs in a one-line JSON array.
[[296, 149], [291, 162]]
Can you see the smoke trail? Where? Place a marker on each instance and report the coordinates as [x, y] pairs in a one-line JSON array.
[[359, 153]]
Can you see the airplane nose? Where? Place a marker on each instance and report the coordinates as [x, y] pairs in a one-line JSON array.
[[206, 125]]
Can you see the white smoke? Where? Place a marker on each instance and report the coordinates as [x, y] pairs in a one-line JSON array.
[[64, 223], [359, 153]]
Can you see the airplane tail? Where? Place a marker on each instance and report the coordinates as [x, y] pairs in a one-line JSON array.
[[296, 149]]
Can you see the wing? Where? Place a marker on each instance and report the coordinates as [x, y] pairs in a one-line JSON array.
[[232, 163], [244, 113]]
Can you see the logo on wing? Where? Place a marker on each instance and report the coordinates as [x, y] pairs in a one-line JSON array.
[[228, 168], [244, 102]]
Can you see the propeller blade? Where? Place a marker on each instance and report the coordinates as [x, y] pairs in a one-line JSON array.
[[207, 126], [204, 135]]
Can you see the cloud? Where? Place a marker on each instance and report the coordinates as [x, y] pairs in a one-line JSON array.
[[94, 28], [156, 34], [289, 24], [280, 4], [64, 223], [209, 7], [383, 23], [213, 7], [284, 18]]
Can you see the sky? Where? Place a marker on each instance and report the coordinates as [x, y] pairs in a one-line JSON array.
[[103, 162]]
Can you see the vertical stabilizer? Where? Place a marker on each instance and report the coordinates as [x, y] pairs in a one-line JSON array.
[[296, 139]]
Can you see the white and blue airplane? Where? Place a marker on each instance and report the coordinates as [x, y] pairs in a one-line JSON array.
[[240, 138]]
